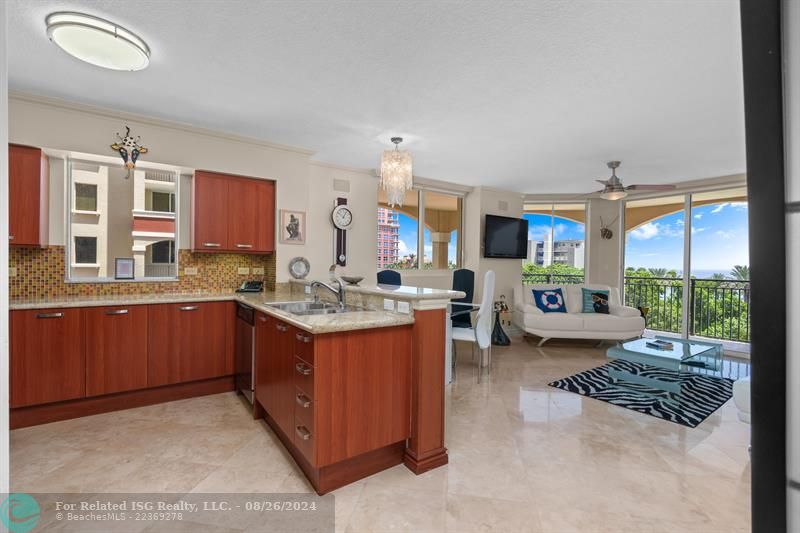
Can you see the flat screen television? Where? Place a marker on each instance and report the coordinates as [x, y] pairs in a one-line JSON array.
[[505, 237]]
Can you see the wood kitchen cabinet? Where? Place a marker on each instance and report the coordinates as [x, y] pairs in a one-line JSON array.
[[233, 213], [47, 358], [28, 194], [116, 349], [341, 402], [274, 371], [210, 211], [189, 342]]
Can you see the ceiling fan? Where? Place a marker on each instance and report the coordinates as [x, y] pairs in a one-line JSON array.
[[613, 189]]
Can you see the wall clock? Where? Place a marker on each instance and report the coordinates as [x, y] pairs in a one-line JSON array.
[[342, 218]]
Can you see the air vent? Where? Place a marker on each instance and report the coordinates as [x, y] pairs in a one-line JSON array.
[[341, 185]]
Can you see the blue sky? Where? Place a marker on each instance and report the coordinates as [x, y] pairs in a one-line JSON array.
[[539, 226], [719, 240]]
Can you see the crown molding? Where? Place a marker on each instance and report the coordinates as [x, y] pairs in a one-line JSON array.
[[47, 101]]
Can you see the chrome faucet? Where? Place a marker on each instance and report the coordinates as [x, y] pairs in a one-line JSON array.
[[338, 292]]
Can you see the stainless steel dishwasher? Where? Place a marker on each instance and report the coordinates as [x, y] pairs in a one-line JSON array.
[[245, 350]]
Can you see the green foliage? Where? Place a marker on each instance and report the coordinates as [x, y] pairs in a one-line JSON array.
[[741, 272]]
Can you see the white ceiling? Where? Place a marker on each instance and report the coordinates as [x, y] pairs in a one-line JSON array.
[[531, 96]]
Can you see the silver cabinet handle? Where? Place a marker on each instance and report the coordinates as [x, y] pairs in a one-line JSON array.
[[302, 432], [10, 237], [262, 318], [117, 312], [50, 315], [281, 327], [211, 244], [244, 245], [189, 308], [303, 400], [303, 369], [304, 338]]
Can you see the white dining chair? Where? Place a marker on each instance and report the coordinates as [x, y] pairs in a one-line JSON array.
[[481, 332]]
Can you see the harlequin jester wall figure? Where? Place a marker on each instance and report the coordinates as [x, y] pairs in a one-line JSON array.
[[129, 149]]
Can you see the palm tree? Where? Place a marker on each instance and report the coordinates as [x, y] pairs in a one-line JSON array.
[[658, 272], [741, 272], [717, 276]]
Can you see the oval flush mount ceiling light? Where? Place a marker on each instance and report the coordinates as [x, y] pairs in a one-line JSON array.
[[97, 41]]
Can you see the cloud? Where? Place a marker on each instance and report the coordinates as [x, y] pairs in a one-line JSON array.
[[646, 231], [739, 206], [698, 216], [697, 230], [724, 234], [402, 249]]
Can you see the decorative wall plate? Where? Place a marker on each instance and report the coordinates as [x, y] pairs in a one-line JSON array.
[[299, 267]]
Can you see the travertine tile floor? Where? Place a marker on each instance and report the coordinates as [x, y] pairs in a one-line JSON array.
[[523, 457]]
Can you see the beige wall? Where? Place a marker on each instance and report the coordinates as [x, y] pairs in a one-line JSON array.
[[604, 257], [362, 198], [64, 126]]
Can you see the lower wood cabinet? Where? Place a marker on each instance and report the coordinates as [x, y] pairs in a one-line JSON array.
[[274, 370], [116, 349], [189, 342], [335, 396], [47, 356]]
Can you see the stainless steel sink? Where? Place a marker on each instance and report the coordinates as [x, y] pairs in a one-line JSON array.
[[313, 308]]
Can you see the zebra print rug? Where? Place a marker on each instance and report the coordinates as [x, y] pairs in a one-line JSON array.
[[702, 394]]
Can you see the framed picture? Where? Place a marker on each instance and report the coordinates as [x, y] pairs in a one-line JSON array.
[[123, 268], [292, 227]]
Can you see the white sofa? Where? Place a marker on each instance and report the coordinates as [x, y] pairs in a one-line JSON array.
[[621, 323]]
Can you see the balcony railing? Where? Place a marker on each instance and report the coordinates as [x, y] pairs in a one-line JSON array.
[[718, 309], [555, 279], [159, 270]]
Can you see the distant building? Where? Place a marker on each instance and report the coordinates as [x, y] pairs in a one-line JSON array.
[[388, 237], [568, 252]]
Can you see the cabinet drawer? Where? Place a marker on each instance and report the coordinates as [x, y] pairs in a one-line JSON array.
[[304, 408], [303, 345], [304, 377], [303, 438]]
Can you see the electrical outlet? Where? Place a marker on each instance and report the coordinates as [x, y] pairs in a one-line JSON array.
[[244, 271], [307, 289], [190, 271], [388, 305], [258, 271], [12, 272], [403, 307]]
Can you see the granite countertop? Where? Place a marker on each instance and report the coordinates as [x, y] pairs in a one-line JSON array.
[[399, 292], [366, 319]]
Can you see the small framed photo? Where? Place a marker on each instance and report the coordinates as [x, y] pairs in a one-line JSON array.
[[123, 268], [292, 227]]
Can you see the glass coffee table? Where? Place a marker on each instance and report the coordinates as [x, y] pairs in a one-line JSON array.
[[684, 356]]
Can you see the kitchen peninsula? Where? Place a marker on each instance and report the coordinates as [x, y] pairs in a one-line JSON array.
[[348, 393]]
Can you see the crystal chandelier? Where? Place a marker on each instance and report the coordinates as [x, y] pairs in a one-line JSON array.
[[396, 176]]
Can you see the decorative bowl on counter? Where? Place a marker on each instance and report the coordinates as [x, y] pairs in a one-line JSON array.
[[352, 280]]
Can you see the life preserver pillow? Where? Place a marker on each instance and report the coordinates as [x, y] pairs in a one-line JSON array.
[[549, 300]]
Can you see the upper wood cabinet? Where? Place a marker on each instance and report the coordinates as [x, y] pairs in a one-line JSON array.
[[47, 357], [28, 193], [116, 349], [232, 213]]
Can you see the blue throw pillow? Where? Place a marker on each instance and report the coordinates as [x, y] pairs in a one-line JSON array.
[[550, 300], [595, 301]]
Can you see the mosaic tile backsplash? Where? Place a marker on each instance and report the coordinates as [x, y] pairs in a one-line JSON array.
[[40, 274]]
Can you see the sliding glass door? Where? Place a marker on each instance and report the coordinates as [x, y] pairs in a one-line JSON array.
[[686, 264]]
